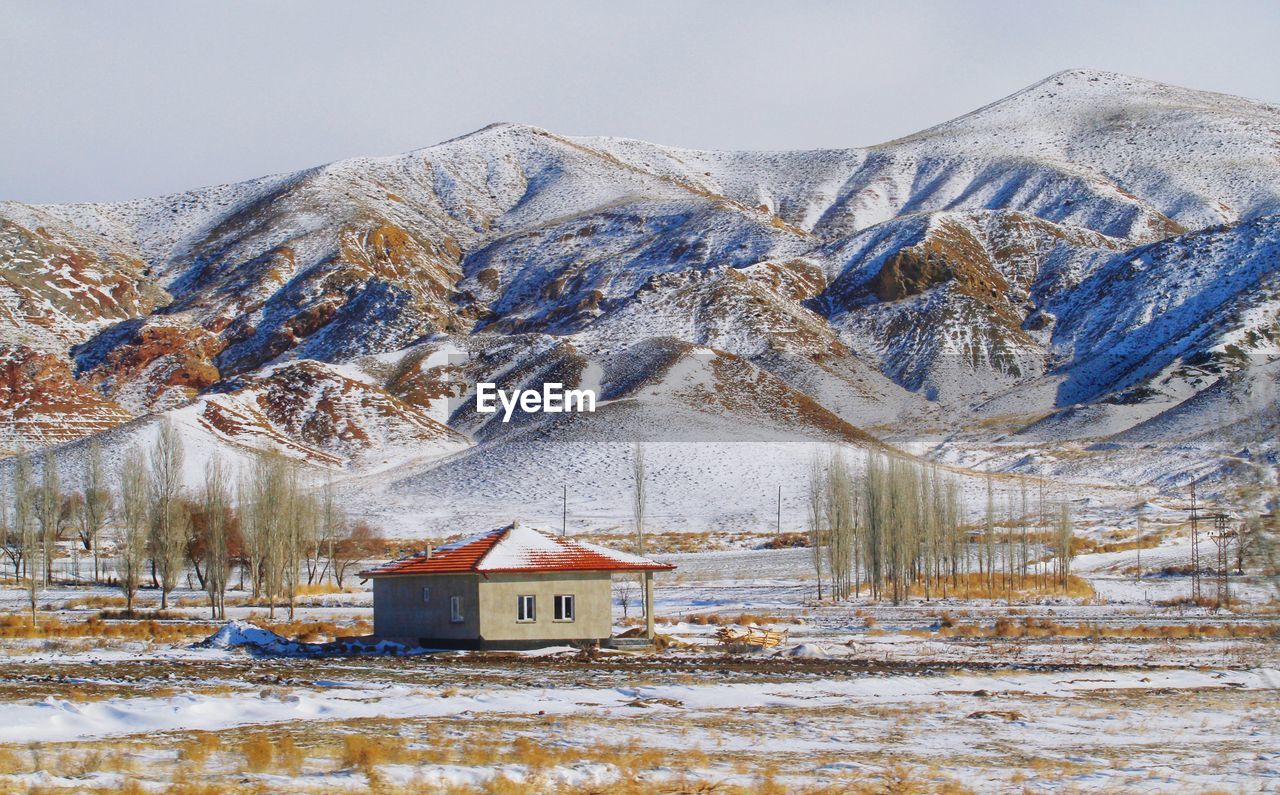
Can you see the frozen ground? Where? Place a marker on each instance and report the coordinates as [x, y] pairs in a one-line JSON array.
[[1167, 729], [1116, 693]]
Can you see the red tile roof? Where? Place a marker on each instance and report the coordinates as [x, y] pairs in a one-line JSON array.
[[514, 548]]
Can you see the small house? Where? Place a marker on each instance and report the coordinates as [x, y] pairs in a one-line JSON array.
[[510, 588]]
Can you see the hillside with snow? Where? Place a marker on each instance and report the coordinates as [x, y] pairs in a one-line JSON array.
[[1079, 281]]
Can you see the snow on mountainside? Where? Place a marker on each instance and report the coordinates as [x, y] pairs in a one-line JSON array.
[[1209, 298], [1197, 157], [1062, 265], [1105, 151], [41, 404], [57, 290], [313, 410]]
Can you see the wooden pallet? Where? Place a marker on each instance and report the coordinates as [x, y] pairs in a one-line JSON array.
[[751, 636]]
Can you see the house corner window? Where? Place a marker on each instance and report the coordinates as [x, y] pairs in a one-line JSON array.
[[455, 609], [564, 607], [525, 608]]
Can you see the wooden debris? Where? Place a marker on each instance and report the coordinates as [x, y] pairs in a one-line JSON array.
[[755, 637]]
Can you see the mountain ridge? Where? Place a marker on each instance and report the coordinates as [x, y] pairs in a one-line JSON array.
[[913, 286]]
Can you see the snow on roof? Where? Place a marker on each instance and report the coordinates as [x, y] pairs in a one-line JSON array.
[[515, 548]]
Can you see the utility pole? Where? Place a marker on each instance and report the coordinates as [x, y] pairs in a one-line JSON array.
[[778, 528], [1195, 547], [564, 512]]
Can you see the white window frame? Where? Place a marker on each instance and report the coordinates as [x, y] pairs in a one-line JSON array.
[[455, 610], [529, 616], [426, 594], [559, 613]]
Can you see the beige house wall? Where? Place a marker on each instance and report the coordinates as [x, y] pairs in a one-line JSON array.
[[489, 607], [593, 602]]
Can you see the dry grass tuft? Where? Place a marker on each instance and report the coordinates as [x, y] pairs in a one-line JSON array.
[[729, 619], [259, 753], [96, 602], [11, 763], [323, 589], [289, 756], [19, 626], [1082, 545], [787, 541], [199, 748], [1030, 627], [973, 585], [365, 753]]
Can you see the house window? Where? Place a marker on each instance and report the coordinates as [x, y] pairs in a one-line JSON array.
[[426, 596], [524, 608], [563, 607], [455, 609]]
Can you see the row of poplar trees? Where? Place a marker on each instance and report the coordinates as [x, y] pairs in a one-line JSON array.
[[279, 532], [900, 527]]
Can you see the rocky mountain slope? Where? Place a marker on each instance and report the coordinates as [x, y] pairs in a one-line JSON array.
[[1061, 266]]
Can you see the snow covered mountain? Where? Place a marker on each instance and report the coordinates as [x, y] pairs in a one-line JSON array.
[[1063, 265]]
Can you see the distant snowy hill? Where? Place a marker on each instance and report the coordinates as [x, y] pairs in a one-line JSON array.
[[1079, 261]]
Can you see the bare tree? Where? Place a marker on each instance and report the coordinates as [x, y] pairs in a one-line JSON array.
[[624, 593], [253, 529], [817, 490], [170, 521], [904, 530], [71, 515], [215, 503], [878, 521], [930, 521], [952, 510], [299, 524], [840, 510], [1062, 543], [24, 524], [131, 551], [1024, 553], [97, 506], [638, 495], [1249, 495], [48, 511], [267, 493], [312, 533], [10, 539], [359, 543], [270, 502], [989, 538], [899, 527], [331, 524], [1041, 524]]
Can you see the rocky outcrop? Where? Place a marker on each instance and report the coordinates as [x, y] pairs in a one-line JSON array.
[[54, 292], [323, 415], [42, 404], [152, 364]]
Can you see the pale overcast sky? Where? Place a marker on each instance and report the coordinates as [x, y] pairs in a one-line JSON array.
[[108, 101]]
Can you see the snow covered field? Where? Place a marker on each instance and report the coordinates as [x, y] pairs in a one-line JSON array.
[[1171, 730], [1113, 693]]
